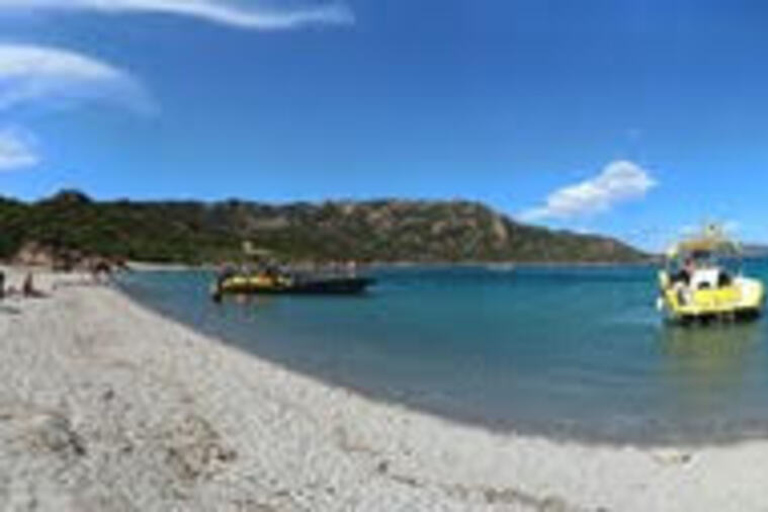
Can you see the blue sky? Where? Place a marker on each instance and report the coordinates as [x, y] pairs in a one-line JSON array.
[[632, 118]]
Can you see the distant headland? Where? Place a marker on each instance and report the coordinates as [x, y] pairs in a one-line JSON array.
[[378, 231]]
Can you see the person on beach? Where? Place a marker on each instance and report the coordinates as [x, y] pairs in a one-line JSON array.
[[2, 285], [28, 289], [101, 271]]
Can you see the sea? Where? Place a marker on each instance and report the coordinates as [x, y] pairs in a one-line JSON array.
[[570, 353]]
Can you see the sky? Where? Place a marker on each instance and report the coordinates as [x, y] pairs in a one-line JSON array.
[[638, 119]]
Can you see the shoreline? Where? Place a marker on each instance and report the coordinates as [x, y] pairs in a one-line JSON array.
[[148, 266], [136, 266], [511, 265], [555, 436], [102, 395]]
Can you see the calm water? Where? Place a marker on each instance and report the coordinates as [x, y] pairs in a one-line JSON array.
[[567, 352]]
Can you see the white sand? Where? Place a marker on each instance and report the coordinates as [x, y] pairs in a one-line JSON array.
[[105, 406]]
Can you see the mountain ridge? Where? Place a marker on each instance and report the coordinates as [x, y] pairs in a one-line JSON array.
[[377, 230]]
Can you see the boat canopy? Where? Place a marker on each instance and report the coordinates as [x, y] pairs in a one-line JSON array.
[[712, 241]]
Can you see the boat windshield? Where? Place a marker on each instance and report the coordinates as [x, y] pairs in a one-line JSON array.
[[704, 259], [729, 263]]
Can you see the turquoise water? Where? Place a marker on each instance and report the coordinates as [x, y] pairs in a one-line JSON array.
[[576, 353]]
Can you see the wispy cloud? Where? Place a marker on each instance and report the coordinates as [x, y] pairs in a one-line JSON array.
[[42, 77], [253, 14], [17, 150], [55, 77], [620, 181]]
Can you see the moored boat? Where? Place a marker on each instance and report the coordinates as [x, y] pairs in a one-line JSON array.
[[271, 281], [703, 280], [288, 284]]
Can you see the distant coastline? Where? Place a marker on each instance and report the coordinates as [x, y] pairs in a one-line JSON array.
[[510, 265], [139, 266], [72, 226]]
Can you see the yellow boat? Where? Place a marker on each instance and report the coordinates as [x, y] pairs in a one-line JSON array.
[[699, 281]]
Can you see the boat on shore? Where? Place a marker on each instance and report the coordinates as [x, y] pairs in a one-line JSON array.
[[703, 281]]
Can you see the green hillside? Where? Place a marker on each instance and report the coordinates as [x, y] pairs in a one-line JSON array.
[[380, 231]]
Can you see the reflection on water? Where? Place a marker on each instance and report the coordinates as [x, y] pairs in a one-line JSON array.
[[707, 365], [565, 352], [710, 352]]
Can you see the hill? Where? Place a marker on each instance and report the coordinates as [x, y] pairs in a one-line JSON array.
[[381, 231]]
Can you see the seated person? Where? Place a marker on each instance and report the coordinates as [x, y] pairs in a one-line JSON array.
[[725, 279], [685, 274]]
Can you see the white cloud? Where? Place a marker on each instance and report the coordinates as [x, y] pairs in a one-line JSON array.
[[17, 150], [620, 181], [226, 12], [34, 74]]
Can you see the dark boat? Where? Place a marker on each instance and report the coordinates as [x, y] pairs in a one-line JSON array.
[[289, 284]]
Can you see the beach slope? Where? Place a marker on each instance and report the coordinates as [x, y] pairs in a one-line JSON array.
[[106, 406]]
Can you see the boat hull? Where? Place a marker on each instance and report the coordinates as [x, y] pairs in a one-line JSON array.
[[735, 316], [330, 286], [743, 300]]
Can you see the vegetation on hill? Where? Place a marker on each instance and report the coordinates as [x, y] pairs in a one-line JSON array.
[[381, 231]]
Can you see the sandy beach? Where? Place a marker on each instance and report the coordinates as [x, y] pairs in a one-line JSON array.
[[106, 406]]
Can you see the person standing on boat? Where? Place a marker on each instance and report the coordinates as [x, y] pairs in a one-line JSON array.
[[683, 279], [226, 270], [688, 270], [684, 276]]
